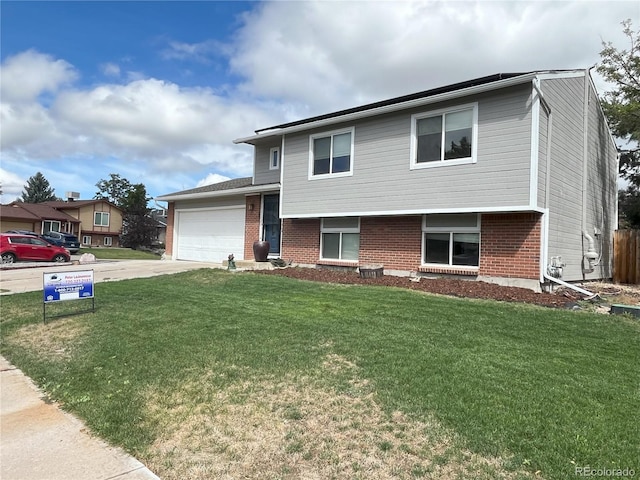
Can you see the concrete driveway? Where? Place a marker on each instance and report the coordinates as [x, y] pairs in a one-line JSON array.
[[28, 277]]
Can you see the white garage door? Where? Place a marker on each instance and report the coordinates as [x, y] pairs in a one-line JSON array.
[[210, 235]]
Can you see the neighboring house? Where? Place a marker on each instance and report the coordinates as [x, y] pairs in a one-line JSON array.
[[159, 215], [36, 217], [509, 178], [100, 221]]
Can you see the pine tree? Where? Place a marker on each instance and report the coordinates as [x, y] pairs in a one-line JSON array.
[[37, 190]]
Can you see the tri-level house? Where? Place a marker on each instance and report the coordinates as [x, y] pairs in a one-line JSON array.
[[509, 178]]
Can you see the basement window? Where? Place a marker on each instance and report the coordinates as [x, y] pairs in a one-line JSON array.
[[451, 240], [340, 238]]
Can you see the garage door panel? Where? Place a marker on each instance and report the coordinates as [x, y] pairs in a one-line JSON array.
[[211, 234]]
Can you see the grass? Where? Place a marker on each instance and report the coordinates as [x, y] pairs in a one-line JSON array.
[[208, 374], [115, 253]]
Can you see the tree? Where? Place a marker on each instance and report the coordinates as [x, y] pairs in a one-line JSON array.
[[629, 207], [138, 228], [114, 190], [622, 105], [37, 190]]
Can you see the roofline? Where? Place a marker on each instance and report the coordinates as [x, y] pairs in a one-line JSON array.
[[220, 193], [471, 87]]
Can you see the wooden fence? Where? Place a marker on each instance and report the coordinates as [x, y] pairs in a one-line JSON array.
[[626, 256]]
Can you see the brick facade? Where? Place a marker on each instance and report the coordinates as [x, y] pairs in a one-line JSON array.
[[510, 245], [395, 242], [301, 240], [251, 224], [171, 215]]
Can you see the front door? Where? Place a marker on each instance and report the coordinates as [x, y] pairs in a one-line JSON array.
[[271, 222]]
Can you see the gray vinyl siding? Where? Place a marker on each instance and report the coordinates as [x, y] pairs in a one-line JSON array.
[[262, 174], [566, 97], [542, 159], [602, 189], [383, 182]]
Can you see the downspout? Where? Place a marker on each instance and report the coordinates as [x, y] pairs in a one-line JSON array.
[[544, 275], [591, 255]]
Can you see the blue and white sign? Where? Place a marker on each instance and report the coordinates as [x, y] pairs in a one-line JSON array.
[[60, 286]]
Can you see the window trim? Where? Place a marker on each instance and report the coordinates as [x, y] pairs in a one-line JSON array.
[[332, 133], [339, 230], [51, 222], [271, 152], [413, 161], [450, 230], [102, 214]]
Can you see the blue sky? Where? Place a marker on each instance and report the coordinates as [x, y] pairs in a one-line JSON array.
[[157, 91]]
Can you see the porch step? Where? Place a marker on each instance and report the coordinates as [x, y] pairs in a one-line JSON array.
[[249, 265]]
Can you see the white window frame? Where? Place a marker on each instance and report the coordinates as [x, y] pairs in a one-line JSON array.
[[414, 164], [276, 151], [51, 223], [331, 134], [450, 230], [108, 241], [102, 215], [339, 230], [86, 239]]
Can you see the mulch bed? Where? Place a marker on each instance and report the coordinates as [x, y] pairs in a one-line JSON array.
[[443, 286]]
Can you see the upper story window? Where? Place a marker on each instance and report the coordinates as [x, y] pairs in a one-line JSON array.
[[444, 137], [274, 158], [331, 154], [101, 219]]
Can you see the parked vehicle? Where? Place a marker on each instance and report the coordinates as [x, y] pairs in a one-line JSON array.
[[52, 241], [17, 247], [66, 240]]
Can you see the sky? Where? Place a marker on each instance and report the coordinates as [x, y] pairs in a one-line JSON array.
[[156, 91]]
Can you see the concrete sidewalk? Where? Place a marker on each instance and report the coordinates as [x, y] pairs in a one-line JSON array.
[[38, 441]]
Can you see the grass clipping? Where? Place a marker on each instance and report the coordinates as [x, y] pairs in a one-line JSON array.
[[297, 428]]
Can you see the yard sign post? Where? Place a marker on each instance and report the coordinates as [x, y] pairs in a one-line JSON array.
[[62, 286]]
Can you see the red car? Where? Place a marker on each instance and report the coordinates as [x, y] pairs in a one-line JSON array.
[[15, 247]]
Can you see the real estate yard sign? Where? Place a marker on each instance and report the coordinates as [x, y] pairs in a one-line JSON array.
[[62, 286]]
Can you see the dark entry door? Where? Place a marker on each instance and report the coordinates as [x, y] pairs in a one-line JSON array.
[[271, 222]]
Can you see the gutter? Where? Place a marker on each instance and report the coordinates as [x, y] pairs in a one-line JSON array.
[[220, 193]]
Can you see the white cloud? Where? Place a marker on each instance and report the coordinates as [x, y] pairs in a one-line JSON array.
[[211, 179], [12, 185], [28, 74], [110, 69], [155, 125], [328, 55]]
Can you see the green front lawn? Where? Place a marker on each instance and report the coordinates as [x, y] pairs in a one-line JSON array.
[[208, 374], [115, 253]]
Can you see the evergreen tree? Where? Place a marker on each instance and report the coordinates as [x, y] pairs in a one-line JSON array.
[[37, 190]]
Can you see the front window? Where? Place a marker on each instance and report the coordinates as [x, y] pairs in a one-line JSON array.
[[331, 153], [108, 241], [340, 238], [50, 226], [86, 240], [101, 219], [444, 137], [274, 158], [452, 240]]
